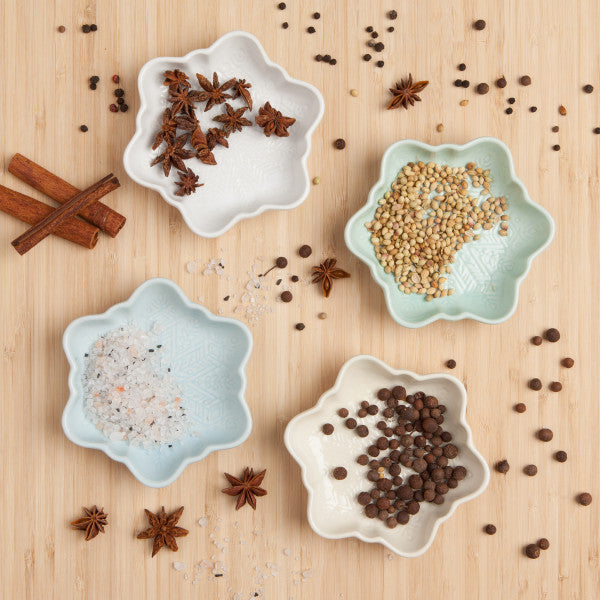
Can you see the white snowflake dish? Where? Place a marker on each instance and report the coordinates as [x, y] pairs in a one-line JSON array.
[[256, 173], [333, 510], [487, 273], [207, 355]]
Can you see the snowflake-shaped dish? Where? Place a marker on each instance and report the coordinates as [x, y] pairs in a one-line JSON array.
[[333, 511], [487, 273], [207, 356], [255, 173]]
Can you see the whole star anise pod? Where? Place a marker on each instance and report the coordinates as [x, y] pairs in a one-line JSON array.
[[163, 529], [216, 136], [272, 121], [188, 183], [186, 122], [175, 79], [167, 130], [233, 120], [325, 273], [93, 523], [200, 145], [174, 154], [406, 92], [240, 88], [214, 93], [247, 488], [183, 100]]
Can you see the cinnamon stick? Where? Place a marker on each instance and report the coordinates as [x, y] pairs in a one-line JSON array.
[[46, 226], [100, 215], [32, 211]]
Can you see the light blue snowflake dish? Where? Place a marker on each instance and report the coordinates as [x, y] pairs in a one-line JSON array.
[[487, 272], [207, 355]]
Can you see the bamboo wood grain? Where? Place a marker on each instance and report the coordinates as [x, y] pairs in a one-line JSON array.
[[44, 98]]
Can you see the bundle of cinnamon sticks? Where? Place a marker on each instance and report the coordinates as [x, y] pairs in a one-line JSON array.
[[79, 219]]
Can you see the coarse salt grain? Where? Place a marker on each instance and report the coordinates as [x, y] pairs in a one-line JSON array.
[[130, 393]]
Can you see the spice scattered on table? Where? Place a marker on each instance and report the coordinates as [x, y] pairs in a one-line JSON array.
[[490, 529], [451, 364], [83, 128], [555, 386], [406, 93], [340, 473], [286, 296], [536, 340], [535, 384], [272, 121], [520, 407], [530, 470], [501, 82], [326, 273], [440, 127], [562, 110], [354, 92], [585, 499], [556, 147], [560, 456], [340, 144], [502, 467], [552, 334], [300, 326], [305, 251], [92, 523], [322, 316], [130, 393], [327, 428], [545, 434], [543, 544], [525, 80], [588, 89], [61, 29], [247, 487], [479, 25], [483, 88], [163, 528], [568, 363], [532, 551]]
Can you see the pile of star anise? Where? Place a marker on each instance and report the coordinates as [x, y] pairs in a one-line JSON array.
[[181, 136]]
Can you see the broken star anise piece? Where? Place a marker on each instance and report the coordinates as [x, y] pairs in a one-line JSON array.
[[240, 88], [166, 133], [186, 122], [200, 145], [188, 183], [325, 273], [183, 100], [247, 488], [406, 92], [174, 154], [93, 523], [216, 136], [214, 93], [233, 120], [272, 121], [163, 529], [175, 79]]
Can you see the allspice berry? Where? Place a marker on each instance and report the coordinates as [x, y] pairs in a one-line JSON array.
[[327, 429], [286, 296], [545, 434], [305, 251], [552, 334], [502, 467], [535, 384], [340, 143], [556, 386], [561, 456], [501, 82], [536, 340], [525, 80], [520, 407], [543, 544], [532, 551], [483, 88], [567, 363], [340, 473], [479, 25], [281, 262], [585, 499], [530, 470], [490, 529], [451, 364]]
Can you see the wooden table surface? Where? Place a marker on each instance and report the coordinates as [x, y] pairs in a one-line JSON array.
[[46, 479]]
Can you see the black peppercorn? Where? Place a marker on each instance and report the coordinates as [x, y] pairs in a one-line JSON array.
[[119, 92], [462, 67], [511, 100], [124, 108], [556, 147], [393, 15], [465, 83], [310, 29], [93, 27], [532, 109], [390, 29], [458, 82], [596, 130], [490, 529], [316, 15], [367, 57], [379, 46], [479, 25], [380, 63], [281, 6], [588, 89], [85, 28], [285, 25], [340, 143], [83, 128], [333, 61], [300, 326], [369, 29], [451, 364], [93, 86]]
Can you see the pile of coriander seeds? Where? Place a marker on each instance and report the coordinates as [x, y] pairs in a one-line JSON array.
[[428, 215]]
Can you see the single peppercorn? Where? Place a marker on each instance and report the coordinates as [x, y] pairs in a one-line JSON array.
[[113, 108], [93, 27], [124, 108], [451, 364], [327, 429], [340, 473], [119, 92], [501, 82], [300, 326], [85, 28], [374, 35], [393, 15], [596, 130], [465, 83], [585, 499], [555, 129], [295, 278], [93, 86], [525, 80], [61, 29], [536, 340], [316, 15], [327, 58], [285, 25], [543, 544], [343, 412], [552, 334], [379, 46], [340, 143], [120, 101], [520, 407], [556, 147], [305, 251], [490, 529], [509, 111], [462, 67], [83, 128], [545, 434], [380, 63], [532, 551], [479, 25], [318, 57], [310, 29], [367, 57], [483, 88], [530, 470], [511, 100], [560, 456], [533, 109], [567, 363], [369, 29], [555, 386], [535, 384], [458, 82], [390, 29], [588, 89], [281, 6], [501, 467]]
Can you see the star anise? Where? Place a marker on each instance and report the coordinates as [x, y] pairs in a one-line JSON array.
[[406, 92], [200, 145], [247, 488], [325, 273], [188, 183], [174, 154], [273, 121], [216, 136], [214, 93], [183, 100], [240, 88], [93, 523], [163, 529], [186, 122], [175, 79], [166, 133], [233, 120]]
